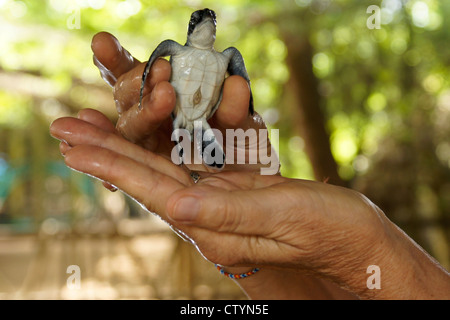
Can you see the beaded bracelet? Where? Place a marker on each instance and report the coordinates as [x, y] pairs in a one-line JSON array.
[[236, 276]]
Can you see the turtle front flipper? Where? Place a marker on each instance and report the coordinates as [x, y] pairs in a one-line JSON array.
[[236, 66], [165, 48]]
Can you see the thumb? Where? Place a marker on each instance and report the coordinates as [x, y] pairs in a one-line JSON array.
[[110, 57], [247, 212]]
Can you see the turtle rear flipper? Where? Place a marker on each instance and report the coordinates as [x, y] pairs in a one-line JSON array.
[[212, 152], [207, 145], [209, 148]]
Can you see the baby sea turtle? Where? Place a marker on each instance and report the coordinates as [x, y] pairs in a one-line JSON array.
[[198, 74]]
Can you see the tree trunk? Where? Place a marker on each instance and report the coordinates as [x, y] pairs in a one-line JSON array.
[[311, 120]]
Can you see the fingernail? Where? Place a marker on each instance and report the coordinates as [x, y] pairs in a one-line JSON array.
[[153, 94], [186, 209]]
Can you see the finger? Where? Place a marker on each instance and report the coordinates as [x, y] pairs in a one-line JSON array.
[[233, 109], [110, 57], [97, 118], [64, 147], [148, 186], [127, 87], [236, 180], [242, 212], [100, 120], [78, 132], [110, 187], [234, 228], [136, 125], [236, 250]]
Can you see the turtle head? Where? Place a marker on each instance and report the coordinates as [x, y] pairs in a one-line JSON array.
[[202, 29]]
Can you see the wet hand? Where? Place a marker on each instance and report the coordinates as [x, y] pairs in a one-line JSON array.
[[234, 218], [151, 127]]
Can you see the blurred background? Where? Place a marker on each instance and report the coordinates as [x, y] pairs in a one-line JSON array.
[[359, 101]]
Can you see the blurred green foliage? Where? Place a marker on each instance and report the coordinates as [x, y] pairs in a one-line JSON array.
[[385, 92]]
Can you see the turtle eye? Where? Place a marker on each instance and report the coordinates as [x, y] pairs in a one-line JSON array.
[[192, 23], [195, 17]]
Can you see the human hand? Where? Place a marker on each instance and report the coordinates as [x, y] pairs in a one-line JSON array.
[[151, 127], [244, 219]]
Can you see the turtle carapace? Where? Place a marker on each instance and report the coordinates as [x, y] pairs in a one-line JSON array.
[[198, 74]]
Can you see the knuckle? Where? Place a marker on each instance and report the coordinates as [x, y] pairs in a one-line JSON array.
[[125, 130], [108, 140], [229, 221]]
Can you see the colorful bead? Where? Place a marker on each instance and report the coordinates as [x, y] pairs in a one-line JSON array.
[[236, 276]]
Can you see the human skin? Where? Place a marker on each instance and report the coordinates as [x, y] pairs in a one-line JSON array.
[[311, 240]]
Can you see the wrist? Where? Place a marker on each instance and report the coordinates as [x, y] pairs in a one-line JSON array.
[[287, 284], [402, 270]]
